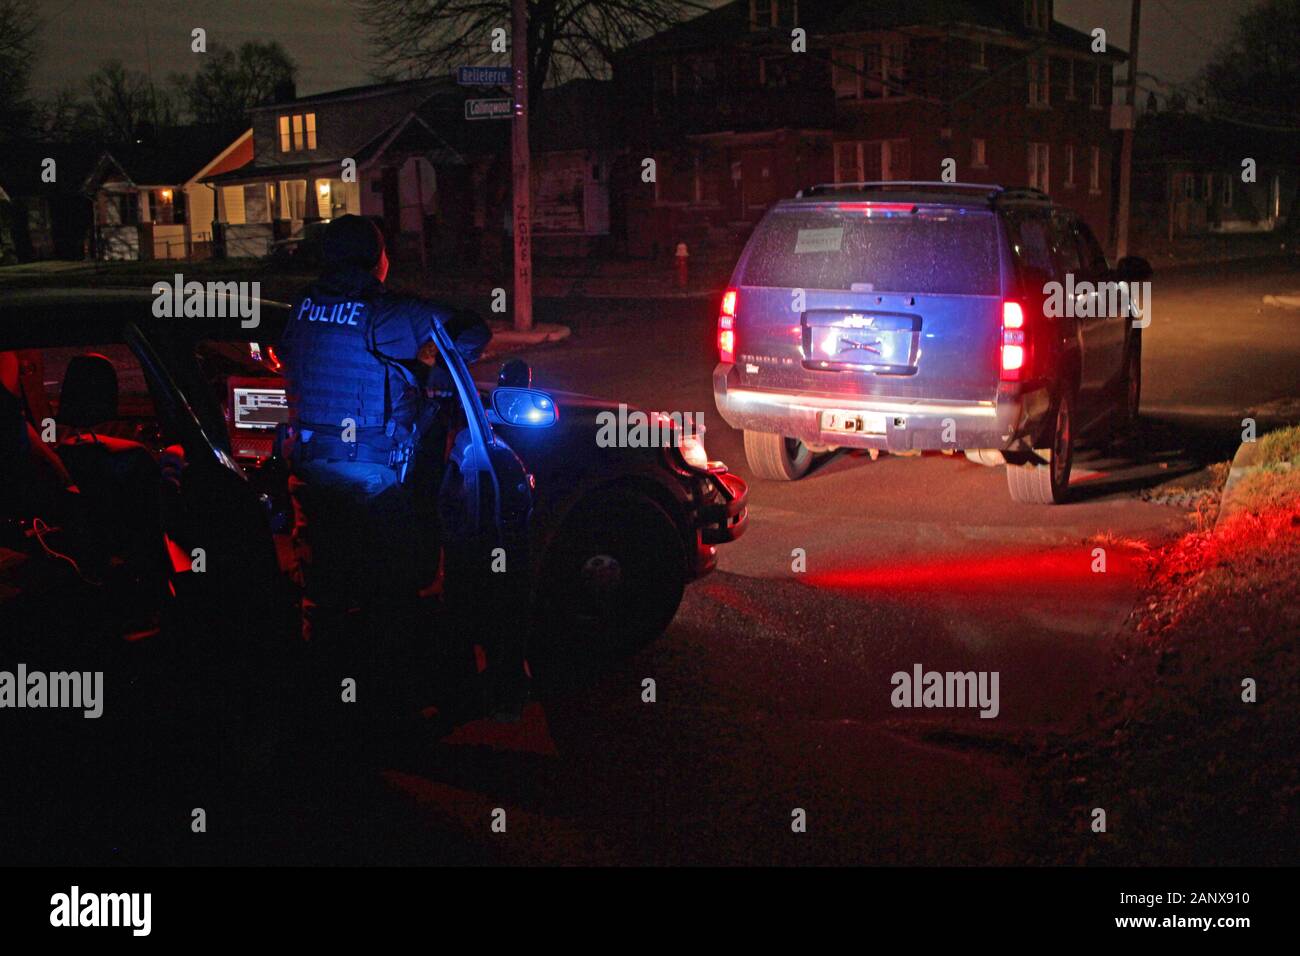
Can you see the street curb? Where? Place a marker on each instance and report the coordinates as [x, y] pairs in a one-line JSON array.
[[1243, 464], [544, 332]]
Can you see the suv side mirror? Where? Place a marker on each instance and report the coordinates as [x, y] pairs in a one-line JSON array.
[[1133, 269], [515, 374]]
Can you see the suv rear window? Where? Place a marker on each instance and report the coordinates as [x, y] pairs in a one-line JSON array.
[[934, 251]]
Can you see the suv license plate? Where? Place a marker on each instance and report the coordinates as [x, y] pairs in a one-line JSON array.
[[834, 420]]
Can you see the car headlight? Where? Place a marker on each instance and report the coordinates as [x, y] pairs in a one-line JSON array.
[[692, 451]]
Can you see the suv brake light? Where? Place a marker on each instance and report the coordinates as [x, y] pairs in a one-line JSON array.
[[727, 327], [1013, 341]]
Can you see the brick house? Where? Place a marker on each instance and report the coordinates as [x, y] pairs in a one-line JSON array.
[[734, 119]]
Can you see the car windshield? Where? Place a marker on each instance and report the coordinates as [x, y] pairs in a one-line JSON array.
[[933, 251]]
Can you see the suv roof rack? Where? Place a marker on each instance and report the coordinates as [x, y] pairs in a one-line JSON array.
[[992, 192]]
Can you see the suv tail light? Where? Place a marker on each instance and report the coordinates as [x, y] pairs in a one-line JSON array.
[[727, 327], [1013, 342]]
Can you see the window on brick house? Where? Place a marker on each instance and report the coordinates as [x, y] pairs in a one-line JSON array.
[[1037, 14], [1040, 166], [873, 160], [978, 159], [1069, 166], [1039, 79], [773, 13], [1094, 171]]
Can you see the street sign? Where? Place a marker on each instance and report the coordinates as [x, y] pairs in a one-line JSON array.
[[488, 109], [484, 75]]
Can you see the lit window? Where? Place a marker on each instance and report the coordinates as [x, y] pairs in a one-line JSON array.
[[977, 158], [311, 130], [297, 131], [285, 145]]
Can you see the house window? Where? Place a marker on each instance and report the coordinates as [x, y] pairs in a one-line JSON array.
[[1189, 186], [979, 55], [1039, 77], [1094, 171], [774, 72], [1069, 166], [1039, 166], [878, 71], [846, 73], [1227, 190], [1096, 87], [873, 160], [293, 192], [297, 132], [773, 13], [977, 157], [1069, 80], [1207, 187], [1038, 14]]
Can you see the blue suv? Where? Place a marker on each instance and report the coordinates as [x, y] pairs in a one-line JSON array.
[[918, 316]]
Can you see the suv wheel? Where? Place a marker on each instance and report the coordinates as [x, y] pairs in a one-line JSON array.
[[1047, 483], [777, 457]]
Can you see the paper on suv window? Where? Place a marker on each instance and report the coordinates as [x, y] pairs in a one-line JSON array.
[[819, 240]]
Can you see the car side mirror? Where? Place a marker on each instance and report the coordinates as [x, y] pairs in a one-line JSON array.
[[524, 407], [515, 374], [1133, 269]]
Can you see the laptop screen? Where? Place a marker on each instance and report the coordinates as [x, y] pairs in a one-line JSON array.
[[259, 408]]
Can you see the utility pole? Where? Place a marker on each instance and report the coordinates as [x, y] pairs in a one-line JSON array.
[[1126, 154], [521, 193]]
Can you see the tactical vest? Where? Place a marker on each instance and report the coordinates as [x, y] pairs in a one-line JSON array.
[[333, 371]]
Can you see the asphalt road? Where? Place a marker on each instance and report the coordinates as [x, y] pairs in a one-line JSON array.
[[773, 688]]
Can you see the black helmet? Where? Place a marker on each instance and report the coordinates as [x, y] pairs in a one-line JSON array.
[[352, 241]]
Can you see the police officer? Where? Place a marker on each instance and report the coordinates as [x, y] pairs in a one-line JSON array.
[[364, 539]]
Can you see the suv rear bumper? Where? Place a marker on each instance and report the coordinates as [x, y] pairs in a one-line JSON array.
[[1011, 422]]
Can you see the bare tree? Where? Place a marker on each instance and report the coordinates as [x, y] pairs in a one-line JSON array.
[[566, 38], [228, 84], [123, 102], [19, 27]]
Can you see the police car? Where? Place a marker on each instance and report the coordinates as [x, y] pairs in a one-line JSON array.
[[608, 537]]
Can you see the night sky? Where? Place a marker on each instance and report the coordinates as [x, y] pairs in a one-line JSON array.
[[328, 41]]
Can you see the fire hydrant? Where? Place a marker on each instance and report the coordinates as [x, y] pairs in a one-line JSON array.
[[681, 258]]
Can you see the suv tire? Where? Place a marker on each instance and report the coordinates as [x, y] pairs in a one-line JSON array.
[[1048, 483], [777, 457]]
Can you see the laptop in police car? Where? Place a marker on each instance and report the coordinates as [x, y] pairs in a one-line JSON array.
[[256, 407]]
